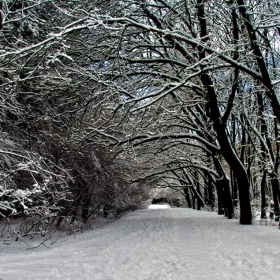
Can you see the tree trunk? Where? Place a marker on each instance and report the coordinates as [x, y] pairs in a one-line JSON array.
[[229, 154], [211, 195], [187, 196], [266, 79], [229, 210], [220, 128], [275, 194], [263, 199], [209, 198], [193, 201], [197, 187], [220, 197], [234, 189]]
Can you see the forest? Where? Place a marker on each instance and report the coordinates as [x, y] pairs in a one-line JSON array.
[[103, 101]]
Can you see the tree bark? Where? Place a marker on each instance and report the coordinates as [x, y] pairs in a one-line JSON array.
[[220, 128], [266, 79], [187, 196], [263, 199], [275, 193]]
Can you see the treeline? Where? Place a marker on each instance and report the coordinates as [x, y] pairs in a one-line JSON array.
[[56, 165]]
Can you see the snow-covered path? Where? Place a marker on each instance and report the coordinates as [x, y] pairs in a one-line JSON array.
[[155, 244]]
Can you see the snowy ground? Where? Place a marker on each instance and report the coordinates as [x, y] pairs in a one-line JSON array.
[[157, 244]]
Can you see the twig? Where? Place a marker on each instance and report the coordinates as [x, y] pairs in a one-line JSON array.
[[42, 243]]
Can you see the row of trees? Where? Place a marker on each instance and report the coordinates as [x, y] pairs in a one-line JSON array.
[[52, 173], [102, 98]]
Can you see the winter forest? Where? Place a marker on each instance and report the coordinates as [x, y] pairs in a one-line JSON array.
[[105, 104]]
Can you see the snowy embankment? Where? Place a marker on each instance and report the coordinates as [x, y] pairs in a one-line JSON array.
[[154, 244]]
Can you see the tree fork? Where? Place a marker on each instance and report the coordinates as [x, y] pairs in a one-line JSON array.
[[219, 126]]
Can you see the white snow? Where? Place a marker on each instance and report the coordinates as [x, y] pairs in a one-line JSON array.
[[163, 243], [158, 206]]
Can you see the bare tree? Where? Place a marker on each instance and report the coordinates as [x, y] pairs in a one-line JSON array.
[[157, 84]]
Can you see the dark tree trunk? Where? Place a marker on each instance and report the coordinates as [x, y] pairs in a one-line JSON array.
[[220, 198], [232, 177], [197, 187], [228, 199], [277, 156], [234, 189], [220, 128], [187, 196], [211, 195], [193, 201], [219, 187], [266, 79], [275, 194], [243, 142], [198, 206], [224, 189], [209, 198], [186, 179], [273, 175], [206, 193], [242, 182], [197, 196], [85, 206], [229, 154], [263, 199]]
